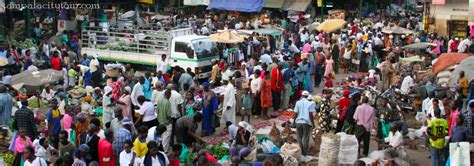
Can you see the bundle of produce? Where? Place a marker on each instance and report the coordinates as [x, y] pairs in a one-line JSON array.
[[218, 151]]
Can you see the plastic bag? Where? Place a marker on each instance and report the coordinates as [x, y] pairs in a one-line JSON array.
[[289, 149], [268, 146], [348, 149], [459, 154], [184, 154]]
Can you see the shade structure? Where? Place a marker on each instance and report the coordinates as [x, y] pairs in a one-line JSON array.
[[237, 5], [331, 25], [274, 3], [228, 37], [422, 45], [397, 30], [466, 65], [37, 78], [447, 60], [296, 5]]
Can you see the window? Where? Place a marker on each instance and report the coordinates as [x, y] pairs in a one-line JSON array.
[[180, 47]]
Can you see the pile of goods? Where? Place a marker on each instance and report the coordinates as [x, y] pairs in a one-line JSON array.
[[8, 158], [26, 44]]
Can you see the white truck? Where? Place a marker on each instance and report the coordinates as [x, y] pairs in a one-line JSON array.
[[142, 46]]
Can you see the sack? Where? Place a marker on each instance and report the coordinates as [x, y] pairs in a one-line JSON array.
[[329, 149], [290, 161], [459, 153], [291, 149], [348, 149]]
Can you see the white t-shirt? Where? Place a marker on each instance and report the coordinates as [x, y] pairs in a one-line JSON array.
[[155, 161], [125, 159], [255, 85], [464, 45], [161, 66], [36, 162], [175, 100], [94, 65], [148, 111]]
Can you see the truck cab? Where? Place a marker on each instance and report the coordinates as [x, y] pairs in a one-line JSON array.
[[195, 52]]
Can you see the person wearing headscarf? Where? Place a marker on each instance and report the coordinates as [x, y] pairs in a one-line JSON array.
[[125, 103], [210, 104], [86, 105], [240, 146], [107, 105]]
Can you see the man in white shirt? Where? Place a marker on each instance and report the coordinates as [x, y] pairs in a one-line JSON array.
[[161, 65], [430, 104], [266, 58], [204, 30], [232, 130], [229, 103], [464, 45], [176, 100], [137, 91], [128, 156], [407, 83]]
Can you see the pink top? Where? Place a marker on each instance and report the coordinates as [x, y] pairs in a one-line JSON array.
[[67, 121], [364, 115], [20, 144], [306, 48], [452, 121], [126, 109]]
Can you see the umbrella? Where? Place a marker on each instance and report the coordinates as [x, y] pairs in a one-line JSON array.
[[422, 45], [159, 17], [397, 30], [467, 65], [331, 25], [37, 78], [447, 60], [3, 61], [227, 37], [411, 59]]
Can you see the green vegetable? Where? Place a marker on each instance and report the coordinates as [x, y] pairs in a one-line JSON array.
[[8, 158], [218, 151]]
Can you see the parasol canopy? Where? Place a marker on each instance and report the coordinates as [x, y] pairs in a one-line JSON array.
[[3, 61], [397, 30], [467, 65], [411, 59], [422, 45], [37, 78], [446, 60], [331, 25], [227, 37]]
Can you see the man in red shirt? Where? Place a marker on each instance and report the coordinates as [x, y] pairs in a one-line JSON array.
[[106, 153], [277, 86], [342, 106]]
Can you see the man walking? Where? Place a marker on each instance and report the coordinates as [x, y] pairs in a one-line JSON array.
[[437, 130], [304, 110], [364, 117], [277, 86]]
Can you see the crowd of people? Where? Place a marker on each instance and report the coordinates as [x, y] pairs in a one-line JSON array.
[[144, 119]]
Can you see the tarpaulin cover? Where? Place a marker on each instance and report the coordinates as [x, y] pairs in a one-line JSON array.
[[237, 5], [467, 65], [296, 5], [447, 60], [274, 3]]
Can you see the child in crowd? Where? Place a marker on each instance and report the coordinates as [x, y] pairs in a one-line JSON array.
[[247, 103], [459, 131], [128, 156], [140, 145]]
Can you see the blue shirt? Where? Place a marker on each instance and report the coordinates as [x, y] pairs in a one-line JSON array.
[[459, 134], [55, 119], [287, 75], [303, 108]]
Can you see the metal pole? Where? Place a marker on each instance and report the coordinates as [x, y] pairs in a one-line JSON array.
[[27, 13], [322, 10]]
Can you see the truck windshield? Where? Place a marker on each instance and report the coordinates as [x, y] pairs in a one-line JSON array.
[[204, 48]]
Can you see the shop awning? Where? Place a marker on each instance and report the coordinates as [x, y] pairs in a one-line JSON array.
[[237, 5], [196, 2], [274, 3], [296, 5]]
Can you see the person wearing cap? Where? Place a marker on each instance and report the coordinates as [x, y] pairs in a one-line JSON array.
[[122, 134], [303, 118], [80, 155], [125, 102], [343, 105], [229, 103], [209, 106]]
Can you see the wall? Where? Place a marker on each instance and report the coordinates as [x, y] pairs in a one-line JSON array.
[[453, 10], [471, 12]]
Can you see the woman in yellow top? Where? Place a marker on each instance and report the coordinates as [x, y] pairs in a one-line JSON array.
[[140, 145], [463, 83]]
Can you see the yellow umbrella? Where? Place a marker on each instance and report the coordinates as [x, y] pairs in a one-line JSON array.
[[227, 37], [331, 25]]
